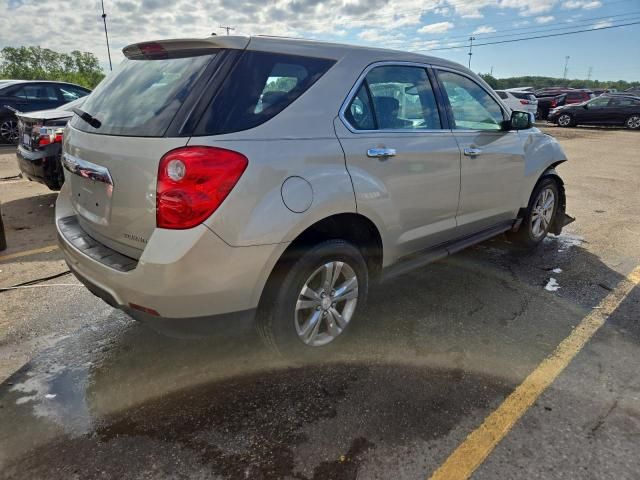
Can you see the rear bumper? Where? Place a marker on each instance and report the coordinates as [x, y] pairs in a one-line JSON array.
[[41, 166], [189, 326], [186, 276]]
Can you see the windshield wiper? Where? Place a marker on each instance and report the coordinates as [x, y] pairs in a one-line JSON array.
[[94, 122]]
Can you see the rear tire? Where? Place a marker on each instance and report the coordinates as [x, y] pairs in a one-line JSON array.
[[312, 301], [540, 214], [633, 122], [565, 120]]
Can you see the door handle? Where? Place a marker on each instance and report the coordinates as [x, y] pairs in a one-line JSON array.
[[381, 152], [472, 151]]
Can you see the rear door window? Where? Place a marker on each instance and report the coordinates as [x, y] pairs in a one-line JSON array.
[[261, 85], [142, 96]]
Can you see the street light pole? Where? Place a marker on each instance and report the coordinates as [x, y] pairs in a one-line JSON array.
[[566, 67]]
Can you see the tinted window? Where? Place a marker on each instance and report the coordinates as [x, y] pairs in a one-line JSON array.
[[523, 95], [471, 105], [599, 102], [623, 102], [71, 93], [141, 97], [260, 86], [359, 113], [401, 98], [503, 95], [37, 92]]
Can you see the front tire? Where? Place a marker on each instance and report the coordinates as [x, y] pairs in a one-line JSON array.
[[565, 120], [314, 300], [540, 214], [633, 122]]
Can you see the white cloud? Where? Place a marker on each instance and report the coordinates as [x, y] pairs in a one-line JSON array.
[[484, 29], [602, 24], [529, 7], [439, 27], [582, 4], [545, 19]]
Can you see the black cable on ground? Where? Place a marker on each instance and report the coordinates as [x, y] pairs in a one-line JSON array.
[[37, 280], [13, 177]]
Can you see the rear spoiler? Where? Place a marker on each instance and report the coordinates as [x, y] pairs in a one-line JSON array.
[[184, 47]]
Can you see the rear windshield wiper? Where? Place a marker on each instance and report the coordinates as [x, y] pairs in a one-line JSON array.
[[94, 122]]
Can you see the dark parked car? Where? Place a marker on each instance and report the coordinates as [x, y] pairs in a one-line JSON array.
[[613, 109], [573, 95], [547, 103], [40, 143], [30, 96]]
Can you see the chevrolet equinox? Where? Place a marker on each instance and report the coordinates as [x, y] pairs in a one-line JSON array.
[[273, 180]]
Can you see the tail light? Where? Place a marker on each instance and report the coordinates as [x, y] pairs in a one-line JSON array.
[[554, 103], [49, 136], [525, 102], [193, 182]]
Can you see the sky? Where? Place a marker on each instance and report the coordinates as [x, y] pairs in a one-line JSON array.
[[424, 26]]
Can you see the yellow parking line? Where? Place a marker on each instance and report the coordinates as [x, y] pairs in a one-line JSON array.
[[480, 443], [26, 253]]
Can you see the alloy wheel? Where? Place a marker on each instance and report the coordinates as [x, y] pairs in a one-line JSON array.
[[9, 131], [564, 120], [542, 213], [326, 303], [633, 122]]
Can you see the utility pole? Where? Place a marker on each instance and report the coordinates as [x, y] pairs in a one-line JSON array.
[[491, 71], [106, 35], [471, 39], [566, 67], [227, 28], [589, 73]]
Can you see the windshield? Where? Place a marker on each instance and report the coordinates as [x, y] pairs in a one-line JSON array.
[[141, 97]]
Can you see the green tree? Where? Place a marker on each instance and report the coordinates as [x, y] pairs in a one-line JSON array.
[[37, 63], [541, 82]]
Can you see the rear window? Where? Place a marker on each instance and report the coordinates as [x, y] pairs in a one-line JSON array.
[[523, 95], [502, 95], [141, 97], [261, 85]]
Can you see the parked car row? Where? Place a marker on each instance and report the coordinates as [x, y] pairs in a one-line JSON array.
[[607, 109]]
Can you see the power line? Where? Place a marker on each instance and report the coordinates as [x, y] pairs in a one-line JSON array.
[[550, 28], [535, 37]]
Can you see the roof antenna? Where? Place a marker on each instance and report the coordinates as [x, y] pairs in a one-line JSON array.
[[104, 19]]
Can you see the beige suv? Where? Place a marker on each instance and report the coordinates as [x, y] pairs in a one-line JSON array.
[[263, 179]]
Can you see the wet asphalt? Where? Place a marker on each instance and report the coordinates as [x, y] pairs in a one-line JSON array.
[[434, 353]]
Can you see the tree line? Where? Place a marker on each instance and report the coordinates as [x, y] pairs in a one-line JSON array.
[[37, 63], [541, 82]]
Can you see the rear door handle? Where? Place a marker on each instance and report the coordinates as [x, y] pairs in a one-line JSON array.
[[381, 152], [472, 151]]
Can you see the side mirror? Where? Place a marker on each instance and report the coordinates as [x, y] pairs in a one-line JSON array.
[[519, 121]]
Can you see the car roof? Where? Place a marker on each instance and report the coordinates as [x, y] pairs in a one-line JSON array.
[[296, 46], [5, 83]]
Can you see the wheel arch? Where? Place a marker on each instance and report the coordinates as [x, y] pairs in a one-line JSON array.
[[354, 228], [550, 172]]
